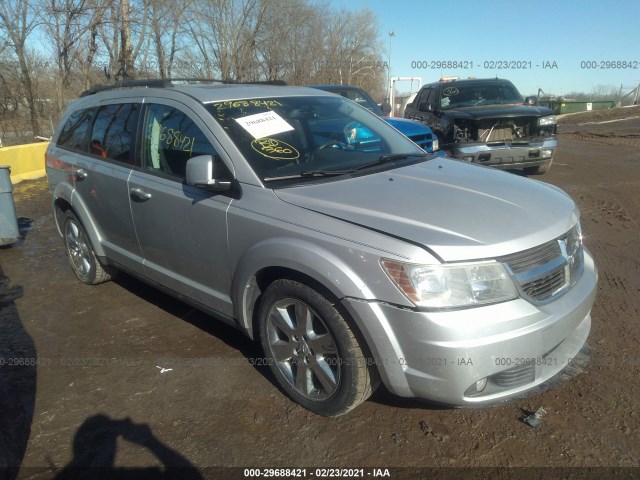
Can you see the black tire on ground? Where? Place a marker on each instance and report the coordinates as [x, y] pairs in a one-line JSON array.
[[540, 169], [80, 252], [312, 351]]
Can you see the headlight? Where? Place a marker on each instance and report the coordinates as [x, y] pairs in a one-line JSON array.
[[449, 286], [545, 121], [435, 145]]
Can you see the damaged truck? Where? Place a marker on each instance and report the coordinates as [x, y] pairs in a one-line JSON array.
[[487, 121]]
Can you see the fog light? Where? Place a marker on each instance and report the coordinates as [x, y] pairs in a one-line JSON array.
[[547, 153], [480, 384], [467, 159]]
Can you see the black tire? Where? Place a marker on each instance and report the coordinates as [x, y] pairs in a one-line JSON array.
[[319, 364], [540, 169], [80, 252]]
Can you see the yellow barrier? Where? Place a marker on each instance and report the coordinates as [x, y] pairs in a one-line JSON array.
[[26, 161]]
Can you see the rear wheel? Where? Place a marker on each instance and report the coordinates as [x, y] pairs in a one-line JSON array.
[[311, 350], [80, 252]]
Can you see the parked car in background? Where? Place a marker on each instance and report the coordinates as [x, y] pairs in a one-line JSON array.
[[486, 121], [352, 255], [416, 131]]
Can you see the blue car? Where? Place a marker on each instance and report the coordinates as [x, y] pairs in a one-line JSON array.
[[416, 131]]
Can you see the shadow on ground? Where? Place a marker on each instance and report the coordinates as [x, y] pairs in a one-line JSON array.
[[95, 448], [18, 363]]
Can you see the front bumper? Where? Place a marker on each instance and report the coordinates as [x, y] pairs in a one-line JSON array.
[[505, 155], [440, 356]]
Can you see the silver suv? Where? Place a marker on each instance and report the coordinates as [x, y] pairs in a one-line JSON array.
[[313, 226]]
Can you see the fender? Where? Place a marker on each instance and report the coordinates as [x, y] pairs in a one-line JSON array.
[[294, 254], [65, 191]]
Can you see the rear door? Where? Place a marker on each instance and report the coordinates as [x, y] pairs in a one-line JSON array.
[[182, 230], [102, 140]]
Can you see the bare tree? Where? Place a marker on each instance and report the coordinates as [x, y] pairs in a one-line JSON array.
[[98, 9], [165, 22], [125, 59], [71, 26], [123, 34], [228, 29], [352, 48], [291, 42], [17, 22], [320, 45]]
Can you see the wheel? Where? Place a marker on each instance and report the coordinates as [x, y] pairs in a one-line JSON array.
[[540, 169], [80, 252], [311, 350]]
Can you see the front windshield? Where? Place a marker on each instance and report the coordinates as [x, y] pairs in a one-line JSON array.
[[478, 94], [290, 137]]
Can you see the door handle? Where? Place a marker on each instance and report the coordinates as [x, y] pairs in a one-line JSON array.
[[140, 193], [80, 173]]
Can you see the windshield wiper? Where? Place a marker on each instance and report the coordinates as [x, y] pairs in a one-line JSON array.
[[390, 158], [311, 174], [333, 173]]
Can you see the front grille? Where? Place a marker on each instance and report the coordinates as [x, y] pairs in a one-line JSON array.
[[544, 272], [423, 140], [505, 130], [545, 286], [516, 376], [496, 134], [534, 257]]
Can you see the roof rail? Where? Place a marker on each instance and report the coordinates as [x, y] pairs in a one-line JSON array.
[[167, 83]]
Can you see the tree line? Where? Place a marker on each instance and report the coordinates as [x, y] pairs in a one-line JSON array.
[[52, 50]]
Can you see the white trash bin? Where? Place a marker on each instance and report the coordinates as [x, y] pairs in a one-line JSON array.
[[9, 232]]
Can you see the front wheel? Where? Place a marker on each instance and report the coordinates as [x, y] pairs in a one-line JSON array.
[[311, 350]]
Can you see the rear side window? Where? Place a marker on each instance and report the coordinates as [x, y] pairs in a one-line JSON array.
[[113, 131], [74, 135], [421, 97], [430, 97], [171, 138]]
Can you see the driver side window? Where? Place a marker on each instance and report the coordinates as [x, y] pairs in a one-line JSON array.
[[171, 138]]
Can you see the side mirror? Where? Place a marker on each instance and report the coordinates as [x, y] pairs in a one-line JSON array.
[[200, 173], [386, 108], [531, 101], [425, 107]]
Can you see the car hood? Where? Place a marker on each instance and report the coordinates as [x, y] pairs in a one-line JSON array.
[[455, 210], [407, 127], [498, 111]]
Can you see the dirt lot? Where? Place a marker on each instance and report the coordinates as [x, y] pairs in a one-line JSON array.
[[127, 377]]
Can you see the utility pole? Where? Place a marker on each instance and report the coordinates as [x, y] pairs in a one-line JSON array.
[[391, 35]]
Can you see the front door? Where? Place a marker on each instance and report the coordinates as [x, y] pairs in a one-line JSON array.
[[182, 229]]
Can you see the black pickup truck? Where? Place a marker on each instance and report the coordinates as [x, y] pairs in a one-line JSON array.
[[487, 121]]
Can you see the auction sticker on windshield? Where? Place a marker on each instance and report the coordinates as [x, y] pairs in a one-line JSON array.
[[264, 124]]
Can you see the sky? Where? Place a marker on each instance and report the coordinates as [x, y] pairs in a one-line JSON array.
[[559, 46]]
